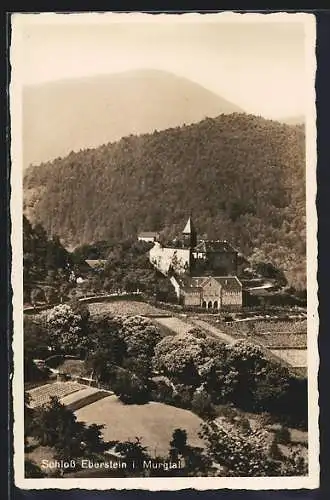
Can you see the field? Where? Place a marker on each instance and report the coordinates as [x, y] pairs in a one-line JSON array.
[[153, 422], [124, 307]]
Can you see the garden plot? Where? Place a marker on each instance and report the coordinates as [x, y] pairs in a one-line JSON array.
[[282, 340], [42, 395]]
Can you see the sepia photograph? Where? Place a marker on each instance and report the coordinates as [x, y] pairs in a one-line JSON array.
[[164, 242]]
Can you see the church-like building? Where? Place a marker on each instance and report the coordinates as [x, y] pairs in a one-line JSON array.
[[203, 272]]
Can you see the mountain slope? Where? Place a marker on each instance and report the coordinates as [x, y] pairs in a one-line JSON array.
[[241, 175], [70, 115]]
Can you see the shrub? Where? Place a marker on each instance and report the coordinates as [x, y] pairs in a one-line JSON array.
[[162, 392], [240, 455], [129, 388], [283, 435], [264, 419], [244, 425], [201, 404], [183, 396]]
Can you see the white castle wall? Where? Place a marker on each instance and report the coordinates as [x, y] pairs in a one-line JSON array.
[[163, 257]]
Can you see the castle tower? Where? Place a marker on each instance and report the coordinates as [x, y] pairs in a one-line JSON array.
[[189, 234]]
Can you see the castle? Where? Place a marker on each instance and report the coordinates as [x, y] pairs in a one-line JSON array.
[[203, 272]]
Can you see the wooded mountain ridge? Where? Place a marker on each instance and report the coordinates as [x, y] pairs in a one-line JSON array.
[[242, 176]]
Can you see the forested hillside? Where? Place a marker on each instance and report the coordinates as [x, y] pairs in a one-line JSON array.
[[242, 176]]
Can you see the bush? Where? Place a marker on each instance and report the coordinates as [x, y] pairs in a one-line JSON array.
[[183, 396], [228, 412], [162, 392], [283, 435], [244, 425], [265, 419], [129, 388], [32, 470], [201, 405], [274, 451]]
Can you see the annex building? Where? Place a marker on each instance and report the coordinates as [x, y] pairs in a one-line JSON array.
[[203, 272]]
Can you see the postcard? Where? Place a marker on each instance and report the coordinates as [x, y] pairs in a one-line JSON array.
[[164, 250]]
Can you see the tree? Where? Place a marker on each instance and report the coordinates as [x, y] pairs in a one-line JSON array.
[[140, 336], [178, 444], [260, 382], [37, 295], [36, 338], [129, 388], [238, 455], [65, 328], [56, 426], [132, 452], [193, 359], [107, 348], [201, 404], [180, 357], [196, 463], [32, 470]]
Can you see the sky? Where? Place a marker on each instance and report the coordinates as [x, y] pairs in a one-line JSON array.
[[259, 65]]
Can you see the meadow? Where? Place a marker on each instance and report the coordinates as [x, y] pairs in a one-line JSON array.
[[153, 422]]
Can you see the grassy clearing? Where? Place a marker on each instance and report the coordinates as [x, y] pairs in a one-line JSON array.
[[153, 422]]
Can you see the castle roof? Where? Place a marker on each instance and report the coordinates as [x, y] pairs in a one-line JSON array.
[[229, 283]]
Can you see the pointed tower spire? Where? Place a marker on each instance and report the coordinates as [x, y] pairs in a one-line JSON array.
[[189, 233]]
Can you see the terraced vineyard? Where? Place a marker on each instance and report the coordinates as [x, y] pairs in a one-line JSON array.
[[41, 395], [261, 327], [288, 341]]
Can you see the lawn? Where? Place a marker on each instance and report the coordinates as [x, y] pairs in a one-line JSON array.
[[153, 422], [124, 308]]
